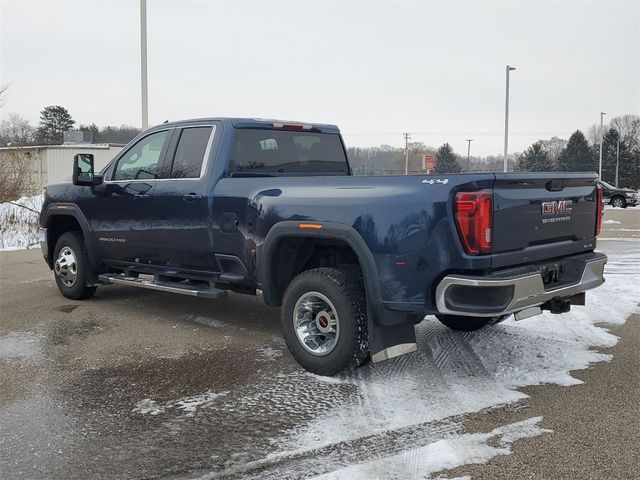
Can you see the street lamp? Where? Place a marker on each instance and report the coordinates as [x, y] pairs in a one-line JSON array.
[[506, 119], [469, 140], [143, 63], [602, 114]]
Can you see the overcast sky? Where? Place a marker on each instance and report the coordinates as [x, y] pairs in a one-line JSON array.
[[374, 68]]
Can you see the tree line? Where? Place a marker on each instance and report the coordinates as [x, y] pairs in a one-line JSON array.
[[620, 150], [620, 145], [54, 121]]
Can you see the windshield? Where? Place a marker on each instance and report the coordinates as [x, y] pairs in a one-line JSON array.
[[606, 185], [282, 151]]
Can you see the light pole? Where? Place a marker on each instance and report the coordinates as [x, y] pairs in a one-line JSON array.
[[469, 140], [506, 119], [602, 114], [406, 152], [143, 64], [617, 159]]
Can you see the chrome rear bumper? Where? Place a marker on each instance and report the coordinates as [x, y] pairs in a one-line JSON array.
[[500, 293]]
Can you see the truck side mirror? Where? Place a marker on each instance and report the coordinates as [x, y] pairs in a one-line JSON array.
[[83, 173]]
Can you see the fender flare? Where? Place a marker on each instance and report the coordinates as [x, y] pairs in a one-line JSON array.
[[70, 210], [329, 230]]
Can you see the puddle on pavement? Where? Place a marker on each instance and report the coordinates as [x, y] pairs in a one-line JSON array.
[[66, 308]]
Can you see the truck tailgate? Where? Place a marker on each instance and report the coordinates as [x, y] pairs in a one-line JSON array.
[[543, 215]]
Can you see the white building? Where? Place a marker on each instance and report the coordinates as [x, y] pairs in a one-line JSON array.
[[54, 163]]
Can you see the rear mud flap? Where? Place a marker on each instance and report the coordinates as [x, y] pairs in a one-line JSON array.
[[389, 341]]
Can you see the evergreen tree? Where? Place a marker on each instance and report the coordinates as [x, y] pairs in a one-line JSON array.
[[534, 159], [628, 161], [54, 121], [447, 161], [93, 130], [577, 156]]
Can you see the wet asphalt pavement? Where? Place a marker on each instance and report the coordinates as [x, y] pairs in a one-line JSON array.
[[141, 384]]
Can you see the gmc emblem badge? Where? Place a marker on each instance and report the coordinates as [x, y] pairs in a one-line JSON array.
[[558, 207]]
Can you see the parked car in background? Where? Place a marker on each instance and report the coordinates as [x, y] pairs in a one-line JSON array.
[[618, 197]]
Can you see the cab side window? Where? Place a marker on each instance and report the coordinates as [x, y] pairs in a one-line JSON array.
[[143, 160], [190, 151]]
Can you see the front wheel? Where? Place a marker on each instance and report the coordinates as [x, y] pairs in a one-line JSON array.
[[619, 202], [70, 267], [324, 320], [463, 323]]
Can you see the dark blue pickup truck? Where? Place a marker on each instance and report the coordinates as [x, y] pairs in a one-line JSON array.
[[204, 206]]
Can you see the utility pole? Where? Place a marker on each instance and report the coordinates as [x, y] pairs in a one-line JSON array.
[[143, 64], [617, 159], [406, 152], [506, 119], [469, 140], [602, 114]]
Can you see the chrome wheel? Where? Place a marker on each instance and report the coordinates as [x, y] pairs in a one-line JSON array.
[[316, 323], [618, 202], [66, 267]]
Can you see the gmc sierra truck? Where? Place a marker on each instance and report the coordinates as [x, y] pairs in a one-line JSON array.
[[202, 207]]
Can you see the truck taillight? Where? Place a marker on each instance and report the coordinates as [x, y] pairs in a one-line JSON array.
[[599, 209], [474, 216]]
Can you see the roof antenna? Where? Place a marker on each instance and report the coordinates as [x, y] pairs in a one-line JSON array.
[[166, 121]]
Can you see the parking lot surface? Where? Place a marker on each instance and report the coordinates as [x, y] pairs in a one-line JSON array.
[[140, 384]]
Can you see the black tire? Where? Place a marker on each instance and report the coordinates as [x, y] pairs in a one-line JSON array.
[[78, 290], [469, 324], [619, 202], [344, 289]]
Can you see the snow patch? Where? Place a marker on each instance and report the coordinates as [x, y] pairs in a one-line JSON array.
[[422, 462], [19, 345], [189, 405], [148, 407], [610, 222], [19, 223], [269, 353]]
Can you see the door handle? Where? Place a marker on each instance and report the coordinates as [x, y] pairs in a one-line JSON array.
[[191, 197], [140, 196]]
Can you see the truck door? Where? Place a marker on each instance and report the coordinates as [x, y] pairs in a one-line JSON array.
[[120, 211], [182, 234]]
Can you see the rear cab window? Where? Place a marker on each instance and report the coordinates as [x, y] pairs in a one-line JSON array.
[[189, 160], [267, 151]]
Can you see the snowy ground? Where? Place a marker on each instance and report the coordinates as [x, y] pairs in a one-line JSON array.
[[402, 418], [19, 223]]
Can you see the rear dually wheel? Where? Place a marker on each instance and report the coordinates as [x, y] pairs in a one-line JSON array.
[[324, 319]]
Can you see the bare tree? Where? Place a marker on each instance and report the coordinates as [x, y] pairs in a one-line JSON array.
[[554, 147], [17, 174], [3, 94], [16, 131], [17, 164], [628, 126]]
